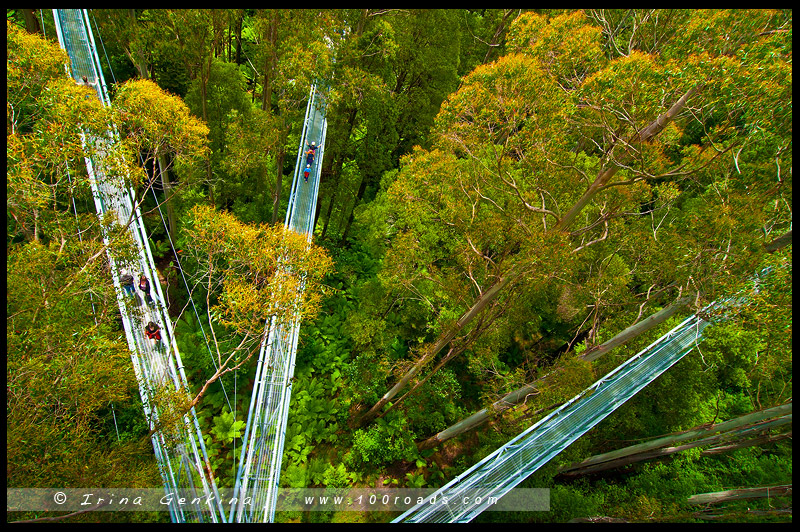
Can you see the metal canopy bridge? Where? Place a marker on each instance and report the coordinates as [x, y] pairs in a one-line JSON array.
[[181, 453], [508, 466], [260, 461], [180, 450]]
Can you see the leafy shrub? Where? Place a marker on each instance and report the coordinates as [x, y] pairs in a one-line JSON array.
[[381, 443]]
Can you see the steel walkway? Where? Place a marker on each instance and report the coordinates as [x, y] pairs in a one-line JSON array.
[[260, 460], [498, 473], [508, 466], [180, 451]]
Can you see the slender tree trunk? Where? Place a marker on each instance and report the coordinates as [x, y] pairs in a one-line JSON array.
[[336, 171], [701, 436], [755, 442], [270, 60], [135, 53], [239, 20], [635, 330], [163, 168], [781, 490], [780, 242], [360, 194], [605, 175], [31, 22], [443, 340], [498, 31], [598, 519], [336, 168], [166, 184], [229, 39], [669, 450], [276, 196]]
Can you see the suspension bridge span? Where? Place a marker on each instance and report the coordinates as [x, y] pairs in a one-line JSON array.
[[260, 461], [180, 452], [474, 490]]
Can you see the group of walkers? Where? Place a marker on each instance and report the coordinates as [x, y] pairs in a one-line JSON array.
[[144, 285], [152, 331], [312, 151]]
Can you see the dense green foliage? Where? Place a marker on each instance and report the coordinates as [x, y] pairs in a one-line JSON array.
[[501, 191]]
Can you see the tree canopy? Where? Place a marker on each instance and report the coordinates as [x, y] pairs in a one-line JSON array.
[[511, 203]]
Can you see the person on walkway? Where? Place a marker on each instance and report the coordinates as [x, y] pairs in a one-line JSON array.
[[309, 157], [306, 173], [153, 332], [313, 146], [144, 286], [127, 283], [84, 82]]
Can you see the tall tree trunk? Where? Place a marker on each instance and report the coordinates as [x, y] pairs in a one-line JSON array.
[[228, 53], [780, 242], [276, 195], [781, 490], [635, 330], [270, 60], [521, 394], [239, 21], [134, 52], [167, 186], [336, 170], [31, 22], [338, 164], [443, 340], [360, 194], [163, 163], [701, 436], [498, 31]]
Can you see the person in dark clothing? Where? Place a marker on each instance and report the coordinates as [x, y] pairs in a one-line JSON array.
[[84, 82], [309, 157], [306, 173], [153, 332], [127, 283], [144, 286], [312, 147]]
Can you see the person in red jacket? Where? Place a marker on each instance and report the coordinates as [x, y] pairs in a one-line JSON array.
[[153, 332]]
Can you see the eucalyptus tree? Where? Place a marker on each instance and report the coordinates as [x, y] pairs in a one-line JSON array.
[[688, 148], [394, 67], [249, 273]]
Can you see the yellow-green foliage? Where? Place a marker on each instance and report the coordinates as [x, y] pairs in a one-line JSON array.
[[257, 270]]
